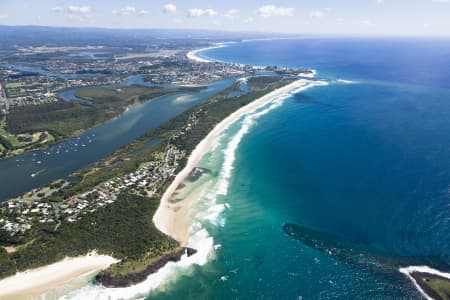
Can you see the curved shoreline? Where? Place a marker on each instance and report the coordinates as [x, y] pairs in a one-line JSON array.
[[410, 272], [35, 282], [172, 222], [193, 55], [172, 219]]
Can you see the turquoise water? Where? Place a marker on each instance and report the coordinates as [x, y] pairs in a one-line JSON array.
[[361, 170], [366, 163]]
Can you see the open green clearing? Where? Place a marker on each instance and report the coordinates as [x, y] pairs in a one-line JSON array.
[[12, 144], [15, 89], [440, 286]]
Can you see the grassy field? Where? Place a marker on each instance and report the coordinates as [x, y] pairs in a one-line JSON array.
[[12, 144], [15, 89], [14, 85], [127, 95], [440, 286]]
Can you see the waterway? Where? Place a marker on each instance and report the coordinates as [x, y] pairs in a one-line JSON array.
[[22, 173]]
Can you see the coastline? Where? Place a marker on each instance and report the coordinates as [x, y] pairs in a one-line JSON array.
[[193, 55], [50, 278], [414, 273], [173, 218], [173, 222], [35, 282]]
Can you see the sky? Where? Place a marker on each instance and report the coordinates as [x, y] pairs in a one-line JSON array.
[[367, 17]]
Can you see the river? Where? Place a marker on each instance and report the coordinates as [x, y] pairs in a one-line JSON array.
[[24, 172]]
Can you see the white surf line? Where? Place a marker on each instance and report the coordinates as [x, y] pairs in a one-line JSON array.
[[34, 282], [198, 238], [345, 81], [193, 55], [163, 215], [422, 269]]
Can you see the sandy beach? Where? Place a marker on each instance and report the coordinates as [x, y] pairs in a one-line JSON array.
[[193, 54], [170, 218], [173, 218], [32, 283]]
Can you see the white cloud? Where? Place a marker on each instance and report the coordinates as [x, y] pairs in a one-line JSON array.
[[231, 14], [170, 8], [198, 12], [58, 9], [249, 20], [267, 11], [4, 16], [380, 1], [143, 12], [82, 10], [124, 11], [317, 14]]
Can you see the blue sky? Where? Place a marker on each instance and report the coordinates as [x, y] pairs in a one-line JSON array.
[[386, 17]]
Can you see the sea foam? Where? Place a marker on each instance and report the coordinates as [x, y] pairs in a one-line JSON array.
[[345, 81], [423, 269], [206, 211]]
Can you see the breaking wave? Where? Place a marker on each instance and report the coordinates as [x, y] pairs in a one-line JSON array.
[[206, 211]]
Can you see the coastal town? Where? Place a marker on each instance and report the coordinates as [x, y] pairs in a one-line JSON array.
[[20, 214], [50, 94], [35, 81], [44, 81], [224, 150]]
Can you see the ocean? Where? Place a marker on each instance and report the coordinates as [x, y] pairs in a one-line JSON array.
[[361, 165]]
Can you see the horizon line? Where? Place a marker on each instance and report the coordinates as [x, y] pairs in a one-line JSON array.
[[285, 34]]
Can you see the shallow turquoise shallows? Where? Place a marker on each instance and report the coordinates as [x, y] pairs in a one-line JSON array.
[[365, 163]]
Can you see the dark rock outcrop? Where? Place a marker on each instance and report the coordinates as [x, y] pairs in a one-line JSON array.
[[109, 279]]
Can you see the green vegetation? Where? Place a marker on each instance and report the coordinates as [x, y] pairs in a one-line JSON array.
[[30, 127], [436, 286], [127, 94], [12, 144], [124, 229], [440, 286], [15, 89], [65, 119], [14, 85]]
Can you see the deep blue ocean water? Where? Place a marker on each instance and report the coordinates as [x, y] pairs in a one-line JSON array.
[[367, 163]]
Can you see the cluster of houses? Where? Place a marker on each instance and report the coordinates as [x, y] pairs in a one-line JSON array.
[[38, 87], [19, 215]]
